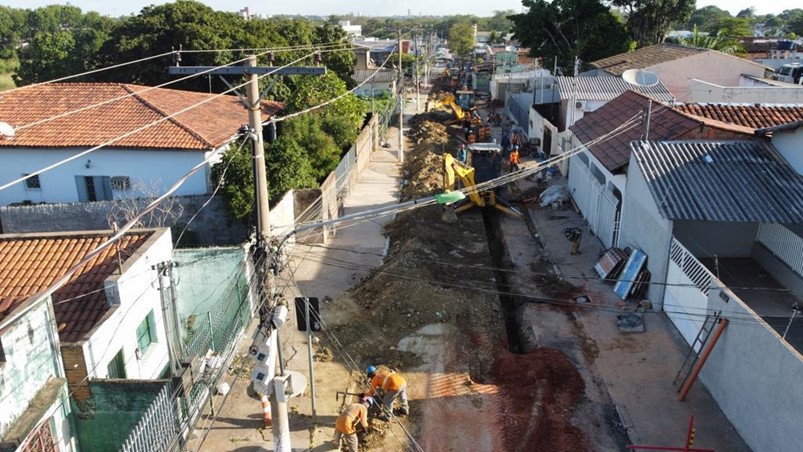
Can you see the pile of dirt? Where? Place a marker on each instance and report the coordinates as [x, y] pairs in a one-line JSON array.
[[541, 390]]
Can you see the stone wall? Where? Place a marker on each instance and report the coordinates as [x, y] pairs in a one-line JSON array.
[[212, 226]]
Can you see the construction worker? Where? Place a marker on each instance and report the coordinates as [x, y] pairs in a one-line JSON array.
[[391, 385], [461, 154], [346, 423], [514, 158]]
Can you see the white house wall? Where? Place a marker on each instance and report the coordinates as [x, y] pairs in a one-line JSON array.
[[643, 227], [754, 375], [138, 290], [32, 358], [712, 67], [58, 185], [790, 146], [537, 125], [702, 91]]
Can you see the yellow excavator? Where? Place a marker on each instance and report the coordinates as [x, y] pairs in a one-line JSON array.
[[460, 113], [483, 163]]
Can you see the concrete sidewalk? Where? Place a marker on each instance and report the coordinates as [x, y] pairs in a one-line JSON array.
[[325, 272]]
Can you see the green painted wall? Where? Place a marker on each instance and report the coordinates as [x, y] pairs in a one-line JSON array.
[[105, 421]]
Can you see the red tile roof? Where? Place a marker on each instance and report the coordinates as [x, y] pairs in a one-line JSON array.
[[754, 116], [30, 264], [614, 153], [129, 107]]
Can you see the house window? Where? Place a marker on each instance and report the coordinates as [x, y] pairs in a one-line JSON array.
[[116, 367], [32, 183], [94, 188], [146, 333]]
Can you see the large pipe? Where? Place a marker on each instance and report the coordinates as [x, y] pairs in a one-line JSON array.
[[698, 366]]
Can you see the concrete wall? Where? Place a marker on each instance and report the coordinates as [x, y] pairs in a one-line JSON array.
[[138, 292], [754, 375], [106, 420], [790, 145], [643, 227], [713, 67], [32, 359], [537, 126], [703, 91], [212, 225], [706, 238], [58, 185]]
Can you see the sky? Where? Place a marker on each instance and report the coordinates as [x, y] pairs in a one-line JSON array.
[[370, 7]]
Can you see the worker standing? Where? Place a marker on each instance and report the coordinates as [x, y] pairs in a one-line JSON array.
[[514, 158], [472, 137], [461, 154], [346, 423], [391, 385]]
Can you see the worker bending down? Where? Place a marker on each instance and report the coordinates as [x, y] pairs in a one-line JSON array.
[[388, 385], [346, 423]]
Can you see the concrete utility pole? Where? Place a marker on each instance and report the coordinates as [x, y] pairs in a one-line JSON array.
[[267, 334], [401, 102], [417, 53]]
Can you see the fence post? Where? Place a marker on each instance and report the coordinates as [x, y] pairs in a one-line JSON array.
[[211, 331]]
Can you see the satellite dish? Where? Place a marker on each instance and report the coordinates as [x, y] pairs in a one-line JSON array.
[[640, 77], [6, 129]]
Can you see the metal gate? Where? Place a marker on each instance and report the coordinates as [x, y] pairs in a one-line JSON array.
[[598, 205]]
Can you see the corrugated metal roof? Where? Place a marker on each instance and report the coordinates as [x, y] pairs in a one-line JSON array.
[[606, 88], [733, 181]]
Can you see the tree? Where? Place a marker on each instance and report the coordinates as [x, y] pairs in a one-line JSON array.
[[500, 21], [732, 27], [721, 42], [568, 28], [13, 28], [648, 21], [747, 13], [288, 168], [461, 38], [48, 56], [794, 23], [706, 18], [235, 176]]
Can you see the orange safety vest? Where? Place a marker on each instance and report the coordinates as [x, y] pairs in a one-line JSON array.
[[347, 421], [386, 381], [514, 157]]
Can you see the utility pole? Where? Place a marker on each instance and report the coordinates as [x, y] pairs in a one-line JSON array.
[[417, 53], [266, 348], [401, 102]]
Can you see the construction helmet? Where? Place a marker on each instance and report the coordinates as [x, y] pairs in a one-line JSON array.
[[515, 146], [370, 371]]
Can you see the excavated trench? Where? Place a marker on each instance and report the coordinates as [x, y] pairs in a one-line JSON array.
[[500, 257]]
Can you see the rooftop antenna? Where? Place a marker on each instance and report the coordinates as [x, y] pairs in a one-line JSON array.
[[642, 79]]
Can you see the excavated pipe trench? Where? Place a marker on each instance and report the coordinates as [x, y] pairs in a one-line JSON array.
[[500, 257]]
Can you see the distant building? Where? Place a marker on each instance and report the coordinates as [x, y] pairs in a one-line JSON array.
[[351, 30]]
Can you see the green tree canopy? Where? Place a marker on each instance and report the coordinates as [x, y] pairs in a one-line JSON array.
[[461, 38], [648, 21], [568, 28]]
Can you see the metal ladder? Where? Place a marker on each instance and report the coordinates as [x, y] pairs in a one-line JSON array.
[[696, 348]]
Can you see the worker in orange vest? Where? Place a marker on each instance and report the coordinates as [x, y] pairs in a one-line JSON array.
[[346, 423], [514, 158], [391, 385]]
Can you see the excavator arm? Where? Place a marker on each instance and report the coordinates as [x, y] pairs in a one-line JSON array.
[[455, 170]]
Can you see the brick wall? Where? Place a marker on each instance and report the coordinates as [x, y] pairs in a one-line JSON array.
[[75, 369]]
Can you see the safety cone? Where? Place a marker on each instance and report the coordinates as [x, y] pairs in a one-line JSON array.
[[266, 410]]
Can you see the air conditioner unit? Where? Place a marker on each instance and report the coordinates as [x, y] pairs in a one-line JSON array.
[[120, 183]]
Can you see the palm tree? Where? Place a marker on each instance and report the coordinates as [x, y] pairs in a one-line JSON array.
[[721, 41]]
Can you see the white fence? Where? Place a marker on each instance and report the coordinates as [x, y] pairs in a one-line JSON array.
[[784, 244], [158, 427], [598, 205], [688, 283]]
